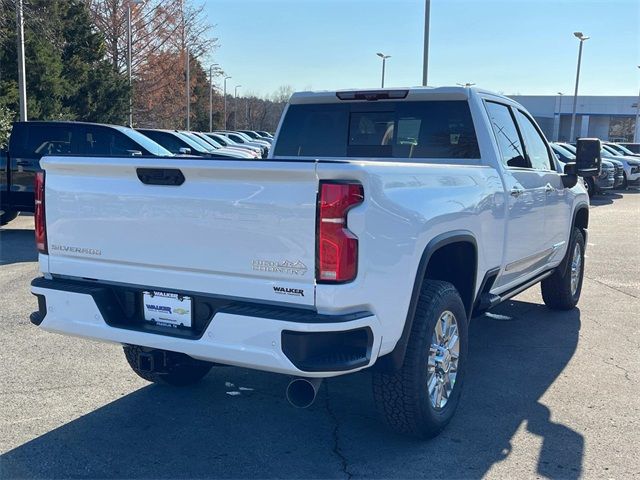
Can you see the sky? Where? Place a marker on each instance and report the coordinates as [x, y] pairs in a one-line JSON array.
[[509, 46]]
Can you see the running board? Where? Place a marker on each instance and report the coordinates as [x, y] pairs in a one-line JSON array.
[[490, 300]]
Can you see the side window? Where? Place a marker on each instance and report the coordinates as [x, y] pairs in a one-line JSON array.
[[167, 140], [101, 141], [507, 135], [123, 146], [43, 139], [535, 145]]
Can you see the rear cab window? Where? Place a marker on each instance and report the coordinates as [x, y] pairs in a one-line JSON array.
[[37, 140], [402, 130]]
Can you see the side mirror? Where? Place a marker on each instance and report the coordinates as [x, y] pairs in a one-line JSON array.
[[570, 178], [185, 151], [588, 159]]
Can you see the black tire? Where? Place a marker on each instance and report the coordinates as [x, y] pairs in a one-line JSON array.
[[625, 182], [179, 369], [556, 289], [590, 185], [402, 398], [7, 216]]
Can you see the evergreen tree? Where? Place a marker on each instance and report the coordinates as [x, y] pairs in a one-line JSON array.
[[67, 75]]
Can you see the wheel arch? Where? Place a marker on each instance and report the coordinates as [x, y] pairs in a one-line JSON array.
[[461, 245]]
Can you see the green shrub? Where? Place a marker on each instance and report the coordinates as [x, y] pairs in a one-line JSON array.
[[6, 117]]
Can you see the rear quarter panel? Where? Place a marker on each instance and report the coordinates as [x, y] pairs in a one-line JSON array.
[[407, 205]]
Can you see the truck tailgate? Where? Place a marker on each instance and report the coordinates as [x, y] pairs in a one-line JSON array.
[[234, 228]]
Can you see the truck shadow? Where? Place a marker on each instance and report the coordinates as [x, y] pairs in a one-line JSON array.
[[17, 246], [236, 424]]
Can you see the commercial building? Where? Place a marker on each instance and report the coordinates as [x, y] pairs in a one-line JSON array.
[[605, 117]]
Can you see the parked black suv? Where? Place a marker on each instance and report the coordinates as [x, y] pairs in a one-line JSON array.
[[30, 141]]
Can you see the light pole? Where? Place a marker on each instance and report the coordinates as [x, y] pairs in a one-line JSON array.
[[580, 36], [225, 101], [560, 94], [636, 133], [211, 96], [129, 35], [22, 87], [188, 90], [235, 107], [384, 62], [425, 53]]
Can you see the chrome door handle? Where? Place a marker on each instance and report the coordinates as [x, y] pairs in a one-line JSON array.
[[516, 192], [548, 188]]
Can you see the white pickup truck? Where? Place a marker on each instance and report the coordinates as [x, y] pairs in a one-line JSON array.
[[380, 224]]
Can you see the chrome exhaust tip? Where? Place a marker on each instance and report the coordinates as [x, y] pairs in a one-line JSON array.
[[302, 392]]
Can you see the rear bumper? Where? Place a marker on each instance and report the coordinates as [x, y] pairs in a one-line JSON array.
[[290, 341]]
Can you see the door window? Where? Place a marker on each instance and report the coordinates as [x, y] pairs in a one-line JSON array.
[[504, 128], [536, 147], [101, 141]]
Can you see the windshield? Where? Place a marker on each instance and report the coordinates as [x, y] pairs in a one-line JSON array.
[[571, 148], [622, 149], [221, 139], [396, 129], [244, 136], [610, 150], [563, 152], [208, 140], [153, 147], [236, 138], [193, 144]]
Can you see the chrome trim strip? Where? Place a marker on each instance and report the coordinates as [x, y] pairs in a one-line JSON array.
[[530, 260]]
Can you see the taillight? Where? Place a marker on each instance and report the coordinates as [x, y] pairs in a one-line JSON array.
[[337, 246], [40, 227]]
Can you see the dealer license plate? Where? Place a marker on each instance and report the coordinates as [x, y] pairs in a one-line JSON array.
[[168, 309]]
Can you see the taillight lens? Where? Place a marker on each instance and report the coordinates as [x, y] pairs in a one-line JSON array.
[[337, 246], [40, 226]]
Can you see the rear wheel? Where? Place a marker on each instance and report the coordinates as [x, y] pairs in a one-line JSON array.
[[161, 366], [7, 216], [561, 291], [421, 398]]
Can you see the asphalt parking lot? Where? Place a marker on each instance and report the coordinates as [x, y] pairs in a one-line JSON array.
[[548, 394]]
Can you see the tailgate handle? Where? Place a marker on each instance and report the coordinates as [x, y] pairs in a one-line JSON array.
[[160, 176]]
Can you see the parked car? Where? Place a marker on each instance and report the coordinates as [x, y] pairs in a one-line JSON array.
[[227, 142], [213, 147], [619, 167], [594, 185], [248, 138], [256, 136], [30, 141], [374, 257], [264, 134], [245, 140], [634, 147], [179, 143], [622, 150], [245, 153], [631, 165]]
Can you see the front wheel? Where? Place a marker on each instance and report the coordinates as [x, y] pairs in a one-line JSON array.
[[590, 186], [625, 182], [421, 398], [169, 368], [561, 291]]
